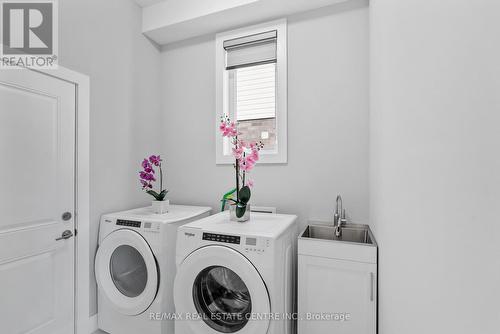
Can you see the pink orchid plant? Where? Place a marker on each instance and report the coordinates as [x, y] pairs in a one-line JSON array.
[[148, 176], [246, 156]]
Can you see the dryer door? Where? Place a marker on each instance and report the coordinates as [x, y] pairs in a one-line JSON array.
[[126, 271], [224, 289]]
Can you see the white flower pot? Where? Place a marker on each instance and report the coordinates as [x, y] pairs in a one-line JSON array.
[[160, 207]]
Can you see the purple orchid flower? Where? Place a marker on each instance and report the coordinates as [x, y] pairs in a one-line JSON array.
[[145, 163], [155, 160], [147, 177], [145, 184]]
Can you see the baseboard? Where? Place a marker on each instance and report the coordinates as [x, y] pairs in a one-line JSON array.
[[93, 324]]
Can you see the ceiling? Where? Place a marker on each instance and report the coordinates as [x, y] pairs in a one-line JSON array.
[[169, 21], [145, 3]]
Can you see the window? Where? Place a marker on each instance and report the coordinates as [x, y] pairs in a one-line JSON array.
[[251, 88], [254, 93]]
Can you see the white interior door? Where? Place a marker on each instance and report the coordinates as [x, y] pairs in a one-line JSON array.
[[37, 164]]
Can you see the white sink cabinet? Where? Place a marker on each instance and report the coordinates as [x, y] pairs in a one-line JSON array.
[[337, 285]]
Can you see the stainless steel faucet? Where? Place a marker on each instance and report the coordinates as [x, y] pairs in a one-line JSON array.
[[339, 216]]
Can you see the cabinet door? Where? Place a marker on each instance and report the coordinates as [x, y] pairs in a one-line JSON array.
[[331, 290]]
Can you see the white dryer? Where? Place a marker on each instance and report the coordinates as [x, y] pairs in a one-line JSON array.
[[135, 268], [235, 277]]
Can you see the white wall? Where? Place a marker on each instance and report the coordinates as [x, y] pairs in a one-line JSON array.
[[103, 39], [435, 162], [327, 115]]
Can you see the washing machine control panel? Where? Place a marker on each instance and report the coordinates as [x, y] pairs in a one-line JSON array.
[[231, 239], [247, 244], [256, 245]]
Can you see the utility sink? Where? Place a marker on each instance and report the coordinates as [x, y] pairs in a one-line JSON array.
[[350, 233], [356, 242]]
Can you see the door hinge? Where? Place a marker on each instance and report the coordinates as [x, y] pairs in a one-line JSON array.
[[76, 232]]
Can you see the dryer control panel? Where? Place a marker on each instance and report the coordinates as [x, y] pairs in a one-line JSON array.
[[129, 223], [136, 224], [231, 239]]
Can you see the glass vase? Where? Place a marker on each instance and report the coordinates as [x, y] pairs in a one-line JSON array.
[[234, 218]]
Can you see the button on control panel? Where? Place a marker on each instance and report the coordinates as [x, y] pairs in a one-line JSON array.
[[231, 239], [254, 245], [129, 223]]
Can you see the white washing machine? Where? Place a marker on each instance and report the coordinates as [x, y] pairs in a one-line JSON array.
[[235, 277], [135, 268]]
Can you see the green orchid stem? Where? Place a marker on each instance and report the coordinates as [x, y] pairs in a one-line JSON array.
[[226, 197]]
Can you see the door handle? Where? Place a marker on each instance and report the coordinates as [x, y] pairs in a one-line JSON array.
[[65, 235], [371, 286]]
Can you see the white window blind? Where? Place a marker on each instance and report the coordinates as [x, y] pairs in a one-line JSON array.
[[251, 50], [256, 92]]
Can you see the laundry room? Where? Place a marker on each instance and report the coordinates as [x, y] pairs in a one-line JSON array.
[[249, 166]]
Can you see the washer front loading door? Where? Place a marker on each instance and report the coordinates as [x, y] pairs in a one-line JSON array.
[[224, 289], [126, 271]]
